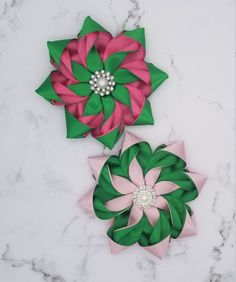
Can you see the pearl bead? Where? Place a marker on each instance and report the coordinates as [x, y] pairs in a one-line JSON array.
[[144, 196], [102, 83]]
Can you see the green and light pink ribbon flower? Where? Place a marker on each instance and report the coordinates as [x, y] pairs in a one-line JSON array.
[[102, 81], [144, 194]]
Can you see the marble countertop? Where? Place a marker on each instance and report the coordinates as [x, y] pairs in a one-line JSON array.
[[44, 235]]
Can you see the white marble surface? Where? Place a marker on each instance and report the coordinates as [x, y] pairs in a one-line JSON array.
[[44, 235]]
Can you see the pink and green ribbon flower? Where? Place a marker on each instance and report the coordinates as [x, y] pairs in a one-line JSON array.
[[144, 194], [103, 82]]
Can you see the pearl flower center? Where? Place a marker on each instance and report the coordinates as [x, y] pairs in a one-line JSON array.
[[144, 197], [102, 83]]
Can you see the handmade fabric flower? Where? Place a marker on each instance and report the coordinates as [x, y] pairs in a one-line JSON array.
[[103, 82], [144, 194]]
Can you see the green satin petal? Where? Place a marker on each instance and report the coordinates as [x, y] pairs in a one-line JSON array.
[[80, 89], [146, 116], [93, 105], [178, 215], [110, 139], [124, 76], [56, 49], [108, 106], [114, 60], [121, 94], [94, 62], [101, 211], [137, 34], [153, 235], [90, 25], [75, 128], [46, 90], [127, 236], [80, 72], [157, 76]]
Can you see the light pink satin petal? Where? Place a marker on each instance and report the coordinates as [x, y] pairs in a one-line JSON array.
[[87, 201], [165, 187], [189, 228], [136, 173], [161, 203], [96, 165], [114, 247], [152, 215], [135, 215], [129, 141], [119, 203], [123, 185], [177, 149], [198, 179], [152, 176], [159, 249]]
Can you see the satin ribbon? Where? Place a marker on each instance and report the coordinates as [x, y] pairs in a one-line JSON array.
[[117, 178], [95, 49]]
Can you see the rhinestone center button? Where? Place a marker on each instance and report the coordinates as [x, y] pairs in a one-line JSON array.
[[144, 196], [102, 83]]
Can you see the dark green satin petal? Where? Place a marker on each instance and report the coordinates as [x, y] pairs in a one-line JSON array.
[[178, 215], [114, 60], [90, 25], [47, 91], [122, 95], [146, 116], [111, 138], [124, 76], [137, 34], [80, 89], [80, 72], [108, 106], [157, 76], [94, 62], [56, 49], [93, 105], [125, 236], [75, 128]]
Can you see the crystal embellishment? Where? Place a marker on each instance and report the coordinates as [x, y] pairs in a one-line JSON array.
[[144, 196], [102, 83]]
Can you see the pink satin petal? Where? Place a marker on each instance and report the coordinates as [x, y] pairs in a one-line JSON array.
[[66, 95], [119, 203], [152, 176], [143, 87], [102, 41], [92, 121], [152, 215], [84, 46], [122, 185], [96, 165], [87, 201], [114, 247], [129, 141], [136, 173], [135, 216], [137, 100], [165, 187], [189, 228], [177, 149], [139, 69], [120, 44], [198, 179], [161, 203], [159, 249]]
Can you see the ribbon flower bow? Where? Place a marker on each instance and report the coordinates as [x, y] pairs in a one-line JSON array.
[[102, 81], [144, 194]]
